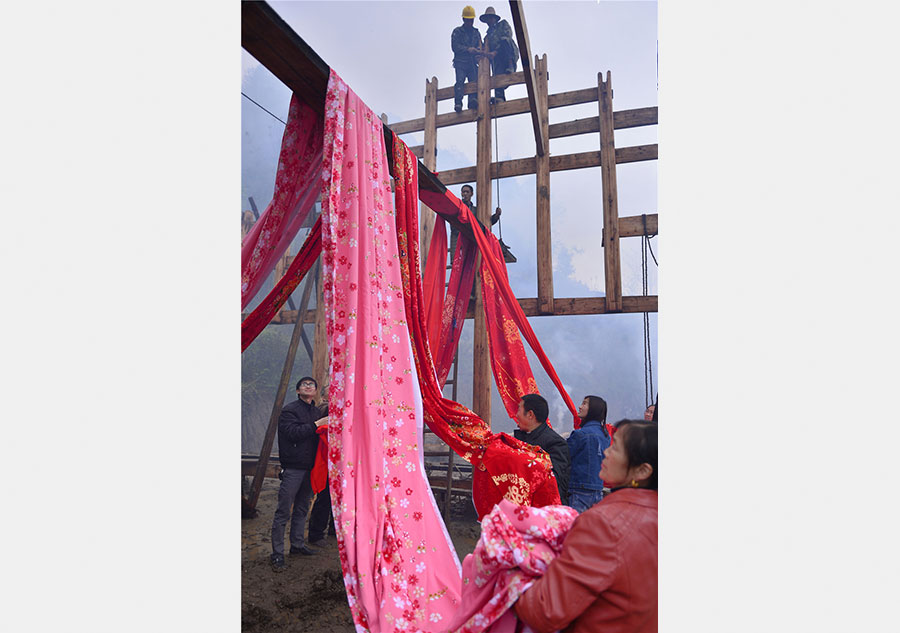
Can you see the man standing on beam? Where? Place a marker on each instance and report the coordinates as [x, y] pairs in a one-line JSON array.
[[502, 47], [465, 40]]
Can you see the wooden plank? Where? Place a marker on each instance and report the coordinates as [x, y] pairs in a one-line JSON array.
[[498, 81], [418, 151], [621, 120], [429, 156], [507, 108], [249, 466], [521, 28], [562, 306], [633, 225], [611, 257], [524, 166], [542, 203], [277, 47], [481, 373]]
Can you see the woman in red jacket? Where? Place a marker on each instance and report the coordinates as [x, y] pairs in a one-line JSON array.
[[605, 577]]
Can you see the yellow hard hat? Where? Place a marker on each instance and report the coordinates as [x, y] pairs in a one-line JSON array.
[[468, 12]]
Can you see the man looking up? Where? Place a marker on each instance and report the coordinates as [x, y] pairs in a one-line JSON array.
[[297, 444], [533, 429], [465, 40]]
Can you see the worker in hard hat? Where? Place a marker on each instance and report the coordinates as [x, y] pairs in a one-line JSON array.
[[466, 44], [503, 51]]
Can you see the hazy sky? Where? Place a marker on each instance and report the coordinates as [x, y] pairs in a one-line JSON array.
[[386, 51]]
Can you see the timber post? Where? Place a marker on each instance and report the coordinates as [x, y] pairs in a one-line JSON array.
[[481, 372], [612, 268]]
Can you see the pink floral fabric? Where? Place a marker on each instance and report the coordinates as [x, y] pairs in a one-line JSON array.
[[517, 544], [297, 185], [400, 569]]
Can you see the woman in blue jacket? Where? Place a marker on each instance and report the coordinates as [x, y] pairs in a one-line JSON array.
[[586, 446]]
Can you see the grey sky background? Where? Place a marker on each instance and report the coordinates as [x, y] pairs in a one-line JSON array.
[[387, 51]]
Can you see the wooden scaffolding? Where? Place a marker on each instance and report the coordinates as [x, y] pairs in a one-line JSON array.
[[275, 45]]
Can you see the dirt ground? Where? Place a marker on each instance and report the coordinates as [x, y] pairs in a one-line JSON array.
[[309, 596]]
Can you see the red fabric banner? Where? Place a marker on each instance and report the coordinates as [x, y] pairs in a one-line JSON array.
[[448, 204], [507, 467], [435, 275], [512, 373], [257, 320], [453, 315], [297, 185]]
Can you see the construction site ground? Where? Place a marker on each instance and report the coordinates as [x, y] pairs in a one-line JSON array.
[[309, 595]]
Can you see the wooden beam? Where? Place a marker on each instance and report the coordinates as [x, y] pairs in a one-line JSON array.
[[481, 372], [524, 166], [633, 225], [418, 151], [429, 156], [562, 306], [498, 81], [249, 466], [542, 203], [507, 108], [277, 47], [611, 258], [621, 120], [521, 28]]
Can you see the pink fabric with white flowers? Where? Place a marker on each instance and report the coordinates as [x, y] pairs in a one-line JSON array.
[[517, 544], [400, 570]]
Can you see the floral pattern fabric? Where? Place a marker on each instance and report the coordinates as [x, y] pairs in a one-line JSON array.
[[400, 570], [516, 546], [297, 185]]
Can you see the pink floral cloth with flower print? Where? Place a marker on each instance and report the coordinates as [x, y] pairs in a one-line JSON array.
[[297, 184], [400, 569], [516, 545]]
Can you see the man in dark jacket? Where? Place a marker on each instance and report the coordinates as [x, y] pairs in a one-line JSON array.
[[297, 445], [465, 41], [533, 429], [502, 47]]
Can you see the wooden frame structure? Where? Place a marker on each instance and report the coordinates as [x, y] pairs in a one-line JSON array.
[[275, 45]]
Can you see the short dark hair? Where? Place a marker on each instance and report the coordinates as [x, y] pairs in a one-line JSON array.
[[640, 445], [469, 186], [536, 404], [596, 409], [306, 378]]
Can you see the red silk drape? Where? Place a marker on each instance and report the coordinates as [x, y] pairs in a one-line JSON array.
[[448, 204], [503, 465], [297, 184], [257, 320], [433, 282]]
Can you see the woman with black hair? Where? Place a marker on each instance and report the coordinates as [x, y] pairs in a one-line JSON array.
[[586, 447], [605, 577]]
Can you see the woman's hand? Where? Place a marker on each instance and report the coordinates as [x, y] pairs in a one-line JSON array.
[[321, 421]]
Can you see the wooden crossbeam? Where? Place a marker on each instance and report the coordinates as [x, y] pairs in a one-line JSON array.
[[497, 81], [507, 108], [521, 28], [562, 306], [621, 120], [633, 225], [523, 166]]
